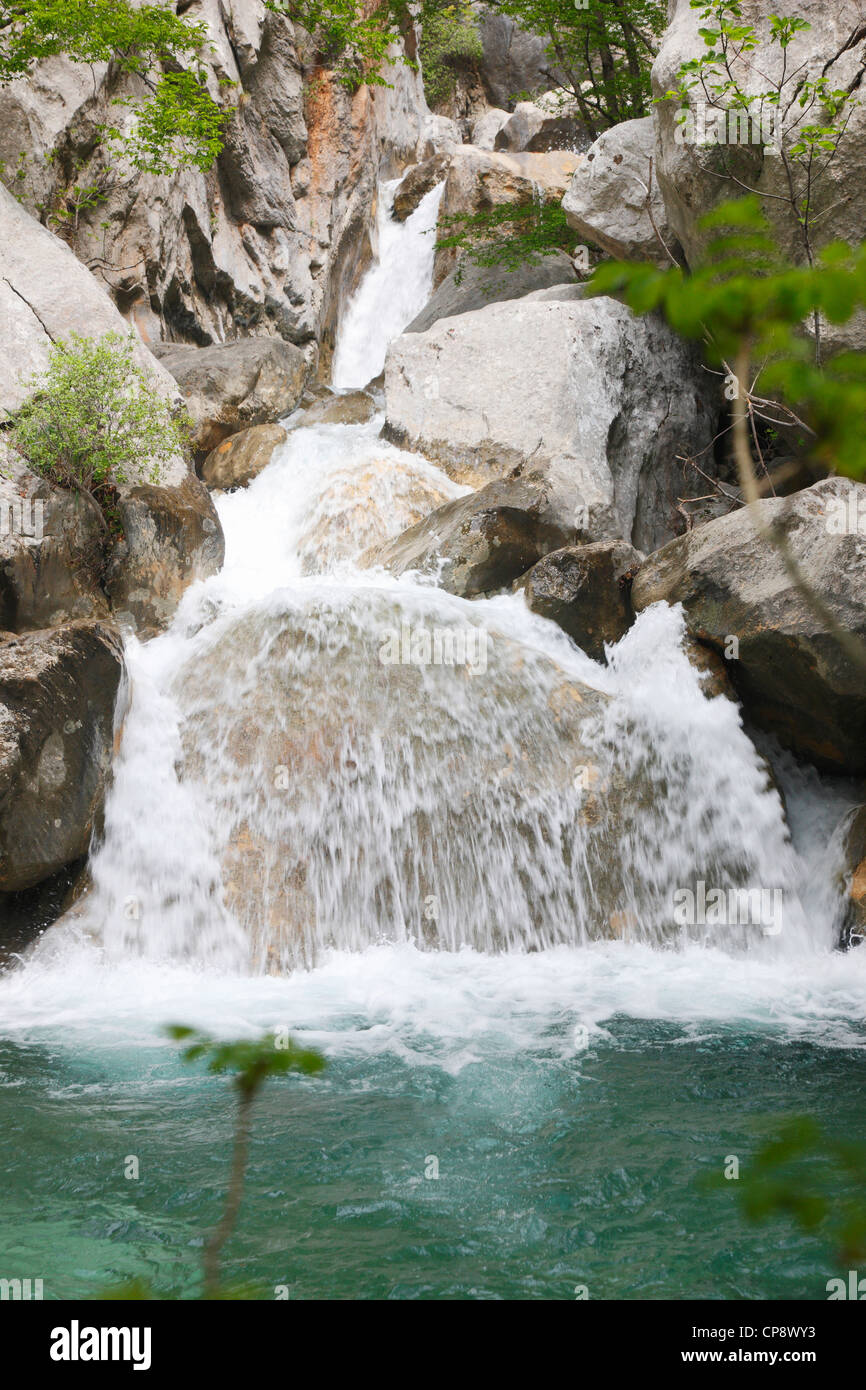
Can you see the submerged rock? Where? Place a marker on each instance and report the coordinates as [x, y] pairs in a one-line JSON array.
[[601, 404], [242, 456], [57, 696], [791, 671], [479, 543], [344, 408], [585, 589]]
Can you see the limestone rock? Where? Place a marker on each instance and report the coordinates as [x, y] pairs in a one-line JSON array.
[[598, 402], [479, 543], [792, 673], [171, 537], [479, 180], [475, 286], [550, 123], [242, 456], [230, 386], [606, 201], [417, 182], [51, 551]]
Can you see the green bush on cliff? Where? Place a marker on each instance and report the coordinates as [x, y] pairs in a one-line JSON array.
[[94, 416]]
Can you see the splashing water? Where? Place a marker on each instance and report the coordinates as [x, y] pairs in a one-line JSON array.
[[319, 757]]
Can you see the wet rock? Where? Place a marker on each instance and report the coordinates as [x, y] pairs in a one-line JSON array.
[[340, 408], [171, 537], [585, 589], [416, 183], [791, 671], [476, 286], [600, 403], [57, 697], [853, 883], [242, 456], [479, 543], [228, 387], [613, 192]]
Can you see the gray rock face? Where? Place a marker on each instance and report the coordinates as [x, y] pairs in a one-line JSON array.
[[487, 126], [551, 123], [480, 180], [51, 551], [46, 294], [792, 673], [57, 696], [606, 201], [690, 190], [476, 286], [231, 386], [585, 589], [241, 457], [513, 61], [479, 543], [599, 403], [266, 243]]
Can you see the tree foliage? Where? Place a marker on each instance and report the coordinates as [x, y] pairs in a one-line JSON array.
[[600, 51], [175, 123], [449, 42]]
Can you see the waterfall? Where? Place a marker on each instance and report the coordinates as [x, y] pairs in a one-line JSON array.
[[318, 755]]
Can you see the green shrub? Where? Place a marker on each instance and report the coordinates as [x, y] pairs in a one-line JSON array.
[[94, 417]]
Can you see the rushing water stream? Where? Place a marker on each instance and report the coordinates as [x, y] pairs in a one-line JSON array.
[[454, 877]]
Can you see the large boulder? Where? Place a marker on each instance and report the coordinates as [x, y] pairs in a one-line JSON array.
[[230, 386], [475, 286], [487, 126], [52, 544], [599, 402], [57, 697], [550, 123], [794, 675], [241, 457], [585, 589], [479, 543], [614, 197], [480, 180], [688, 171]]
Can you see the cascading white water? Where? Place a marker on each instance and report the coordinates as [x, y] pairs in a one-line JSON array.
[[295, 774], [392, 292]]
